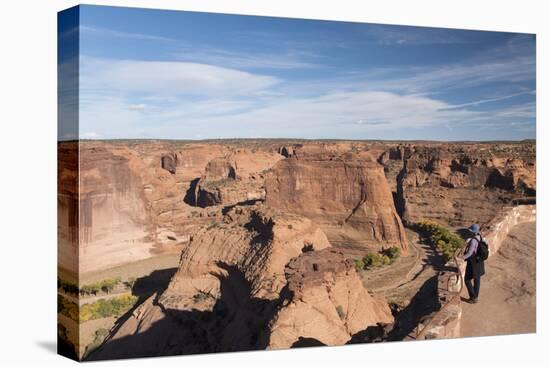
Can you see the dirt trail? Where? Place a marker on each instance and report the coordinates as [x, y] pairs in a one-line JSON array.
[[410, 284], [507, 301]]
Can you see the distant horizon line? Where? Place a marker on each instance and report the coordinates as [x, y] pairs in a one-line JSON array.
[[303, 139]]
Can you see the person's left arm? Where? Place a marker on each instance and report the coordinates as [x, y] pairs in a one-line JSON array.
[[471, 249]]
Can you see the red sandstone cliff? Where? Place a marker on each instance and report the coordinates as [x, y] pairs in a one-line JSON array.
[[346, 193]]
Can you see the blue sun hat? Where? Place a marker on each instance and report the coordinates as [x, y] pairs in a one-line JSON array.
[[474, 228]]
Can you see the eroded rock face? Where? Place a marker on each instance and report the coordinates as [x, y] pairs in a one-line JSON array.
[[235, 281], [462, 184], [67, 205], [112, 211], [346, 194], [256, 241], [132, 200], [124, 202], [169, 162], [236, 178], [327, 304]]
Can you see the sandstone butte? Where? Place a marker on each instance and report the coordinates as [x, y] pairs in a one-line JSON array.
[[265, 228], [347, 194]]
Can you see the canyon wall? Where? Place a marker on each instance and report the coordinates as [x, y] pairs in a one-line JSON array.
[[345, 193], [458, 184], [67, 206], [135, 200]]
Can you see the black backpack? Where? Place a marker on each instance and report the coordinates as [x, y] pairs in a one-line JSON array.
[[482, 252]]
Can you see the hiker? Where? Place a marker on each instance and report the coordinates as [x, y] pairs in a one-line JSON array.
[[475, 263]]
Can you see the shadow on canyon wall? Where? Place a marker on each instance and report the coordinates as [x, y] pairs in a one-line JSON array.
[[237, 322], [422, 304], [157, 281]]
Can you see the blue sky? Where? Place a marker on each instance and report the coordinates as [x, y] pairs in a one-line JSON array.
[[182, 75]]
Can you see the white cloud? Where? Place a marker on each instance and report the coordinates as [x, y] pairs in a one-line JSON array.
[[339, 114], [137, 107], [90, 30], [463, 75], [342, 110], [89, 135], [240, 60], [168, 78], [489, 100], [183, 99]]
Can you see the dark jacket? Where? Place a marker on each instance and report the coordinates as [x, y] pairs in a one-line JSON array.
[[475, 267]]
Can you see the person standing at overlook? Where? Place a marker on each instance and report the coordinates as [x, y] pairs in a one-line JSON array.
[[475, 262]]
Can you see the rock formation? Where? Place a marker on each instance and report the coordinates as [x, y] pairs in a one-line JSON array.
[[240, 282], [257, 241], [345, 193], [67, 205], [327, 303], [467, 183], [113, 217], [264, 229], [236, 178], [138, 201], [142, 199]]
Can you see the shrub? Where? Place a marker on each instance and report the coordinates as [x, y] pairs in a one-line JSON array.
[[101, 333], [373, 260], [378, 259], [392, 253], [92, 289], [446, 241], [67, 308], [115, 306], [359, 265], [66, 286], [106, 286]]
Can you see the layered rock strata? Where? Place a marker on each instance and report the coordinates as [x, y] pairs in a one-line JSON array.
[[346, 194]]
